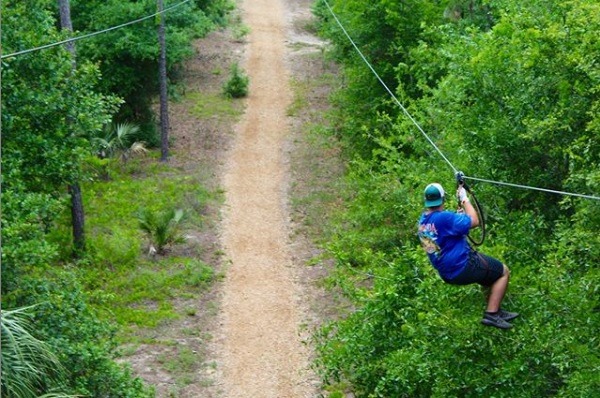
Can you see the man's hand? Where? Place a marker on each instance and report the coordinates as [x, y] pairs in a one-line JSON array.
[[461, 192], [466, 205]]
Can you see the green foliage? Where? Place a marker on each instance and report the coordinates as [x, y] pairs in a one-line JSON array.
[[216, 10], [523, 94], [143, 297], [508, 91], [82, 342], [128, 57], [163, 228], [377, 214], [385, 32], [237, 84], [213, 105], [29, 367], [118, 141], [51, 113], [48, 115], [411, 335], [25, 219]]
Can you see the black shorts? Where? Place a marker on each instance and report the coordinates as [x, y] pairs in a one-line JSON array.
[[481, 269]]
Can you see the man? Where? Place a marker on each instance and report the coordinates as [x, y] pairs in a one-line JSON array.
[[443, 235]]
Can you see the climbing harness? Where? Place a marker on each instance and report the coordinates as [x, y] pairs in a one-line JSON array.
[[475, 237]]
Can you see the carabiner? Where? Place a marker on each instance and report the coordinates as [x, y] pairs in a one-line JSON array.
[[460, 177]]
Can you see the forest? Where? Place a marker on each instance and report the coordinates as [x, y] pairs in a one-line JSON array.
[[508, 92], [73, 115]]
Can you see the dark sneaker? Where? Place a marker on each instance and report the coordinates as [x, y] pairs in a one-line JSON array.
[[507, 316], [495, 320]]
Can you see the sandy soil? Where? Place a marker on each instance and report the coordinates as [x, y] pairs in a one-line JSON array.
[[261, 352]]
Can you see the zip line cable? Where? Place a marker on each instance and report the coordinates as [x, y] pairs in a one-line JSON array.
[[508, 184], [73, 39], [429, 138], [388, 89]]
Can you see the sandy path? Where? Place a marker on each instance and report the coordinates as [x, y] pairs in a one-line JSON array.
[[261, 353]]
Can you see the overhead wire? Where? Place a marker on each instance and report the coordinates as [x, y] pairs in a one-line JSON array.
[[428, 138], [73, 39], [508, 184], [396, 100], [77, 38]]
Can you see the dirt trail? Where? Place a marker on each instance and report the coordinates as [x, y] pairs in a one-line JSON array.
[[260, 352]]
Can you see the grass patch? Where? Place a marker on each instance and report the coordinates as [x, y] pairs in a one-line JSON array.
[[115, 202], [240, 32], [111, 206], [316, 188], [183, 364], [300, 100], [239, 29], [317, 170], [184, 361], [206, 105], [143, 296], [125, 284]]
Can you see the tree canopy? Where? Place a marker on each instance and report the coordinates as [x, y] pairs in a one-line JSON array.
[[508, 91]]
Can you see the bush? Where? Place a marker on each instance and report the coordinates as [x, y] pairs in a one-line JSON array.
[[83, 343], [162, 227], [237, 85]]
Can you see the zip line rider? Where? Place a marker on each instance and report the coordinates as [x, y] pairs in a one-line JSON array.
[[443, 236]]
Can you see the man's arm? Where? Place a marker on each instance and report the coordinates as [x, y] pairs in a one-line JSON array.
[[467, 206]]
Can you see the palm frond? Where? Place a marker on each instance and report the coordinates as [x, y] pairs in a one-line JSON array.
[[162, 228], [29, 367], [123, 133], [138, 148]]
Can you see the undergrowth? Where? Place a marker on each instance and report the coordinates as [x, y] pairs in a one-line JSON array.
[[127, 284]]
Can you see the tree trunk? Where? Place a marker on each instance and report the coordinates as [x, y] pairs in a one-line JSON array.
[[164, 97], [78, 219], [77, 213], [67, 24]]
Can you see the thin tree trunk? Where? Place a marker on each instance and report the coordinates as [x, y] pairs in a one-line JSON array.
[[67, 24], [164, 98], [78, 219], [77, 212]]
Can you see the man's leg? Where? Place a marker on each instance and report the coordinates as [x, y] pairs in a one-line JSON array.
[[497, 291]]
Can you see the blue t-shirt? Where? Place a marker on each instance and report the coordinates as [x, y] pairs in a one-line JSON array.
[[443, 235]]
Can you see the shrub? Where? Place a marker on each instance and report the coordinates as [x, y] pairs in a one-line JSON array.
[[163, 228], [237, 85], [71, 329]]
